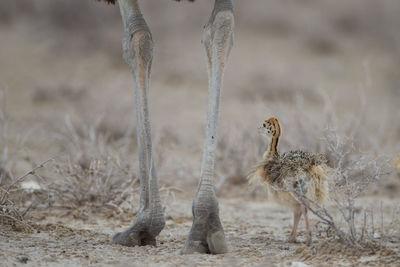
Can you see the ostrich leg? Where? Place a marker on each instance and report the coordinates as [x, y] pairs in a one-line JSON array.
[[308, 227], [138, 52], [207, 234], [296, 219]]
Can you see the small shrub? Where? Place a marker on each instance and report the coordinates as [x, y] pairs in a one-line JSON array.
[[92, 174]]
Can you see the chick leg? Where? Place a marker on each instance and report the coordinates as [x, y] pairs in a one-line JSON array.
[[296, 218], [309, 232]]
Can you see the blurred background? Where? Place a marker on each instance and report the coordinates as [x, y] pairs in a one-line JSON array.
[[315, 64]]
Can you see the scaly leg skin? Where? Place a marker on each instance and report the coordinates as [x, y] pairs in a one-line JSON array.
[[309, 232], [296, 218], [207, 234], [138, 52]]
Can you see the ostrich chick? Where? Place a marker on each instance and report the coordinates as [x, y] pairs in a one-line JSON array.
[[292, 173]]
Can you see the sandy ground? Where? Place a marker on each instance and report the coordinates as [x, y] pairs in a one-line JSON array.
[[256, 232], [291, 59]]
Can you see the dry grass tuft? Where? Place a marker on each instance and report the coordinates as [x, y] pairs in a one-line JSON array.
[[11, 214], [93, 175]]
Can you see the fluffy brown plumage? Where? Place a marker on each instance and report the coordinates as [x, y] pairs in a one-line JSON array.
[[289, 164], [291, 171], [294, 171]]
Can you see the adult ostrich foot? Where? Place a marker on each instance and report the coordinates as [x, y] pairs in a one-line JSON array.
[[212, 242], [143, 232], [207, 234]]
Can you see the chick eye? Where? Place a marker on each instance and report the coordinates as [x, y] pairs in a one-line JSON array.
[[264, 125]]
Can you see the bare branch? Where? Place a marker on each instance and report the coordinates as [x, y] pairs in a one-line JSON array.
[[31, 172]]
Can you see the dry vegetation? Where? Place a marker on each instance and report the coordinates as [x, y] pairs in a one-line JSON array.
[[327, 69], [353, 174]]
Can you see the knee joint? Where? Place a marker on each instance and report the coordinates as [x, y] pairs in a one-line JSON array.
[[219, 30], [138, 43]]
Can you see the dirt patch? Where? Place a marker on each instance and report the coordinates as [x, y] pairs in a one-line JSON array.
[[256, 232]]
